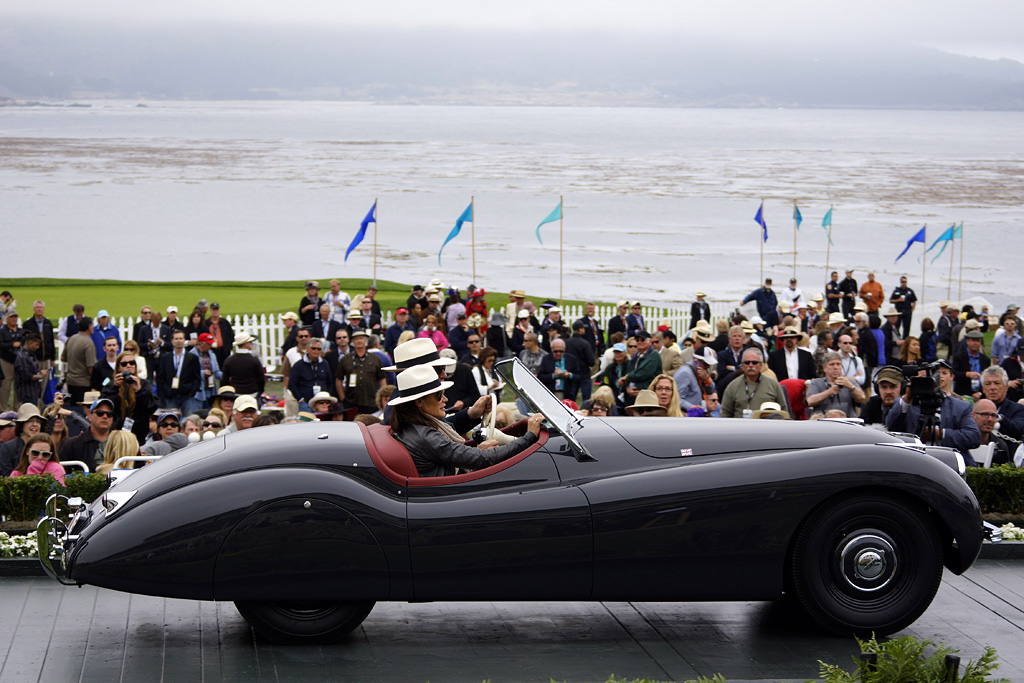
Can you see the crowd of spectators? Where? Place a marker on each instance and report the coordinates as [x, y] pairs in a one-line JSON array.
[[840, 353]]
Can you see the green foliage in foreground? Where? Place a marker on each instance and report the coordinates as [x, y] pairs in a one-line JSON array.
[[909, 660], [22, 498], [998, 489]]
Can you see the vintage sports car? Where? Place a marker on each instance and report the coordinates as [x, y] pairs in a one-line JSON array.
[[304, 527]]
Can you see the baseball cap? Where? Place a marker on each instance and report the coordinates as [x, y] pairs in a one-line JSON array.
[[245, 402]]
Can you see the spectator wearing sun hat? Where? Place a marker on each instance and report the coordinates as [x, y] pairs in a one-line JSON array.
[[243, 371], [699, 309], [103, 330]]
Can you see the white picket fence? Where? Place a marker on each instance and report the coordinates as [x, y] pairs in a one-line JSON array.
[[269, 331]]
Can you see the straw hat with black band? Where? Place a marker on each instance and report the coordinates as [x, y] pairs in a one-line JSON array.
[[415, 352], [647, 404], [417, 382]]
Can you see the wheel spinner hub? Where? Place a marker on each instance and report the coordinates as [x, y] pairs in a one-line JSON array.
[[867, 561]]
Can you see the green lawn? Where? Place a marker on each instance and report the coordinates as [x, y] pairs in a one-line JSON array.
[[125, 298]]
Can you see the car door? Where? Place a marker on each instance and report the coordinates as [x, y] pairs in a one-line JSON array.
[[518, 534]]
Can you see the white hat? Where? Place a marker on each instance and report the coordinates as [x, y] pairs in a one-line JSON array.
[[890, 310], [523, 314], [290, 315], [700, 292], [836, 319], [245, 402], [417, 382], [102, 314], [706, 354], [320, 396], [420, 351], [172, 309], [622, 303], [243, 337]]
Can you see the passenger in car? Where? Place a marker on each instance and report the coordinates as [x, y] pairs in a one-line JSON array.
[[417, 421]]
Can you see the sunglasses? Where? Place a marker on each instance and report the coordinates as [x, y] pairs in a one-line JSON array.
[[40, 454], [216, 425], [644, 411], [599, 409], [473, 341], [103, 413], [168, 424], [302, 336], [751, 362], [315, 348], [127, 363], [630, 346]]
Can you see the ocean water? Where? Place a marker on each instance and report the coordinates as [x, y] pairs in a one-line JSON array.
[[657, 202]]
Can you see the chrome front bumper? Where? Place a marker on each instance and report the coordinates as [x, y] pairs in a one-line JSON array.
[[53, 537]]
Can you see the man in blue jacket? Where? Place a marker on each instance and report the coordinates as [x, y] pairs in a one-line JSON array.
[[767, 304]]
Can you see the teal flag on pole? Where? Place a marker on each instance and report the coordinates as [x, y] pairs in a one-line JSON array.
[[555, 215], [951, 233], [826, 223], [797, 216], [467, 215]]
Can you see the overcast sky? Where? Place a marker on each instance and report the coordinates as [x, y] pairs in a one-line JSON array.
[[985, 28]]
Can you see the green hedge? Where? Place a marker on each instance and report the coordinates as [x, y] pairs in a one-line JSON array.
[[22, 498], [999, 489]]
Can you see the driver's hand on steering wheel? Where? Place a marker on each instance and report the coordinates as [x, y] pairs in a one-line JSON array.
[[533, 424], [480, 408]]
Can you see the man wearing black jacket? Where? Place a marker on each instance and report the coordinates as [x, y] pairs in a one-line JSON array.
[[579, 348], [178, 376], [968, 365], [561, 372]]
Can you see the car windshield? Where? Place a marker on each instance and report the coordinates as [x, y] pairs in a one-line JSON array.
[[540, 399]]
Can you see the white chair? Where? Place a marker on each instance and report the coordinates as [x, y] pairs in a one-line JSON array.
[[75, 463], [983, 454]]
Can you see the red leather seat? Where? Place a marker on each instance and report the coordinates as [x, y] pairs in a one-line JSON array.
[[388, 454]]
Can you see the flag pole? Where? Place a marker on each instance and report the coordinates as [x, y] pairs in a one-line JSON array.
[[795, 227], [960, 289], [472, 231], [561, 225], [924, 265], [949, 281], [375, 214], [760, 237], [828, 249]]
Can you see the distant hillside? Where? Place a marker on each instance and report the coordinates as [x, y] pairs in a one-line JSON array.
[[46, 61]]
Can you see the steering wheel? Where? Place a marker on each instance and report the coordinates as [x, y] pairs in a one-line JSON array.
[[492, 432]]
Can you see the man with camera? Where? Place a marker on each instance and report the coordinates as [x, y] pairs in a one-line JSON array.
[[936, 417], [835, 391]]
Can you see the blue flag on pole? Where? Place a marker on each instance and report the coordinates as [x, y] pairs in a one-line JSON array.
[[950, 234], [555, 215], [361, 233], [759, 219], [467, 215], [796, 215], [826, 223], [918, 237]]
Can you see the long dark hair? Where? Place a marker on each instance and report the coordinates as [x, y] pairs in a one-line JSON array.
[[126, 394], [409, 413]]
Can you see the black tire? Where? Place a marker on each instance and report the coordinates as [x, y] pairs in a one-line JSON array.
[[304, 623], [866, 564]]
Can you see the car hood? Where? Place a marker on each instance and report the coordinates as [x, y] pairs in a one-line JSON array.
[[685, 437]]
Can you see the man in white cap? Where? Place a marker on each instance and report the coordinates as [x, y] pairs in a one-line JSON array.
[[891, 334], [243, 413], [694, 381], [170, 324], [103, 330]]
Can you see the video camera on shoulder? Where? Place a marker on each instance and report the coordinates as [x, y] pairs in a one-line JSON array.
[[925, 391]]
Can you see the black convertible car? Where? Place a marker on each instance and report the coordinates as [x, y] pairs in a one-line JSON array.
[[304, 527]]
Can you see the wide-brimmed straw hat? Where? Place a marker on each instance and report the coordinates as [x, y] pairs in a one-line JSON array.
[[420, 351], [769, 408], [243, 338], [318, 398], [890, 310], [649, 400], [417, 382], [791, 332], [27, 411], [836, 319]]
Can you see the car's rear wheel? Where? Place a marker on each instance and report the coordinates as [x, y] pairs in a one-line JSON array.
[[304, 622], [866, 564]]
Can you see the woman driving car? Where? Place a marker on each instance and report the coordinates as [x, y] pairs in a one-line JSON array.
[[417, 421]]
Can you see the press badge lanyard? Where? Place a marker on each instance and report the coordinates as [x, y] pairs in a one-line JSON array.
[[750, 394], [178, 362]]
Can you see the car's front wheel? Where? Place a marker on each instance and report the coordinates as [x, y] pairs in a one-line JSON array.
[[304, 622], [866, 564]]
